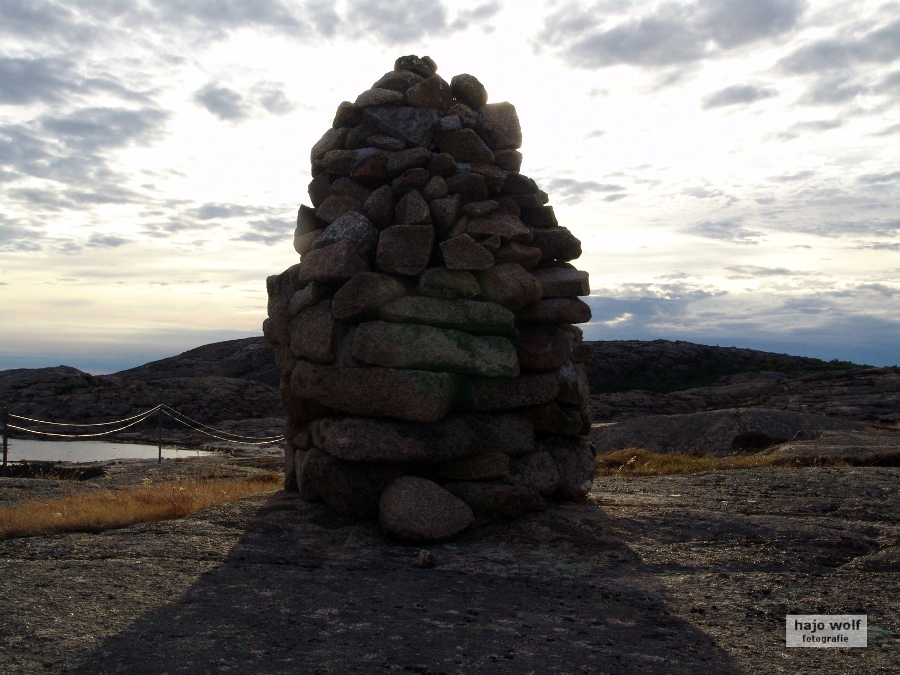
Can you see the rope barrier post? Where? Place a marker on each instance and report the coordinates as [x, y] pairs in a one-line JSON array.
[[5, 437], [159, 429]]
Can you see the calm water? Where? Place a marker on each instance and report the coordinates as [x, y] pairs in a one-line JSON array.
[[90, 451]]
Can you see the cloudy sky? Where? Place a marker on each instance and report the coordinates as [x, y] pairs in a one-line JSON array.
[[730, 165]]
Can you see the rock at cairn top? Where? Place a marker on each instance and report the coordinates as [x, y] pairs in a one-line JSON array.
[[431, 371]]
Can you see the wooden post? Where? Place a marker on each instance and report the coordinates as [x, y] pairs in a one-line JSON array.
[[5, 437], [159, 429]]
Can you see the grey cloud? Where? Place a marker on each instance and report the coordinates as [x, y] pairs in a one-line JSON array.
[[890, 82], [201, 21], [865, 228], [850, 326], [670, 34], [880, 45], [57, 199], [724, 230], [230, 14], [51, 80], [406, 21], [879, 177], [269, 231], [478, 14], [73, 151], [323, 17], [757, 271], [831, 91], [63, 147], [799, 128], [737, 94], [396, 21], [701, 193], [226, 104], [16, 237], [644, 303], [732, 23], [93, 129], [39, 18], [576, 191], [614, 198], [232, 106], [596, 133], [271, 96], [210, 211], [197, 20], [792, 177], [98, 240], [880, 246], [28, 80], [881, 289]]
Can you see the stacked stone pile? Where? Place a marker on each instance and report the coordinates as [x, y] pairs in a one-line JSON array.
[[432, 371]]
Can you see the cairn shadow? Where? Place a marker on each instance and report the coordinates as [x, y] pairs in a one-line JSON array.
[[305, 590]]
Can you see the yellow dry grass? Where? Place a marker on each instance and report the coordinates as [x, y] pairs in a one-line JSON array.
[[637, 462], [119, 508]]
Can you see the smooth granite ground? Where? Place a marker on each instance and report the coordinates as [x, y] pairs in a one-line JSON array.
[[683, 574]]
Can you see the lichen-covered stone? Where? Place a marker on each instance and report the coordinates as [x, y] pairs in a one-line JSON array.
[[442, 282], [494, 394], [333, 264], [404, 249], [362, 296], [362, 439], [554, 310], [562, 282], [464, 253], [415, 395], [472, 316], [510, 285], [420, 347]]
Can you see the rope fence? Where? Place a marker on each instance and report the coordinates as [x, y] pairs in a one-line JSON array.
[[158, 411]]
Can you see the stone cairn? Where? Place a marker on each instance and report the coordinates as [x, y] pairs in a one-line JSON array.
[[431, 372]]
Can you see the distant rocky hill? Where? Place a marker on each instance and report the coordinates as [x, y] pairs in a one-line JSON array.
[[235, 382], [662, 366], [247, 359], [232, 385]]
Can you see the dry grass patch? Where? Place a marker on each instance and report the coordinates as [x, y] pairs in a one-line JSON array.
[[636, 462], [111, 509]]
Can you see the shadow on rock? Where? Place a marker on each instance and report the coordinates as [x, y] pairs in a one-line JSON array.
[[304, 590]]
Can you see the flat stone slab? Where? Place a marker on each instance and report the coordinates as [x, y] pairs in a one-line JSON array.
[[471, 316], [419, 347], [556, 310], [563, 282], [492, 394], [414, 395], [361, 439]]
